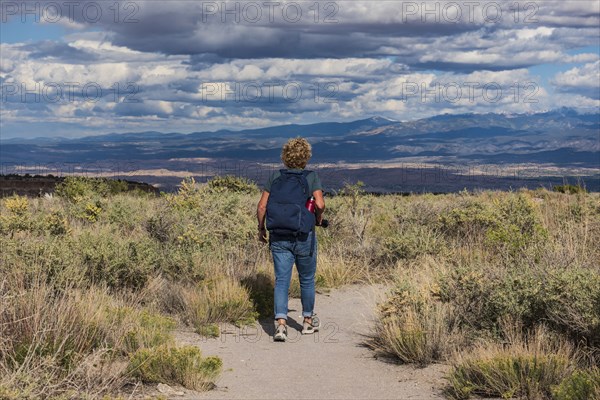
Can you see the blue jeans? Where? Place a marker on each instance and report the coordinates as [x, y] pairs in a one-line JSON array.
[[285, 254]]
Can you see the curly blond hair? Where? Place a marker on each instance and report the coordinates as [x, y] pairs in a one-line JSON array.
[[296, 153]]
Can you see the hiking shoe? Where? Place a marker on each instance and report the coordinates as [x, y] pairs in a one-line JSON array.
[[280, 333], [312, 326]]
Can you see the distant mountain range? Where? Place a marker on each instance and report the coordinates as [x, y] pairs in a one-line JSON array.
[[560, 137]]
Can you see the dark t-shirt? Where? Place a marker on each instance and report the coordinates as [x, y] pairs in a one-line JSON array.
[[314, 183]]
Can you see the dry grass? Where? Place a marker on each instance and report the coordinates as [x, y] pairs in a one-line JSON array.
[[220, 300], [527, 365], [529, 257], [419, 335], [68, 339], [93, 278], [413, 327], [335, 271]]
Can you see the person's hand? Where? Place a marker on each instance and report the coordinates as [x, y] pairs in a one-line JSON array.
[[319, 220], [262, 235]]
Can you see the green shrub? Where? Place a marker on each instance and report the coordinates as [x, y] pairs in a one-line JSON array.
[[567, 299], [228, 222], [54, 259], [207, 221], [176, 365], [182, 264], [123, 262], [188, 197], [411, 243], [505, 294], [142, 328], [91, 212], [56, 224], [88, 210], [75, 188], [123, 211], [569, 189], [581, 385], [231, 184], [17, 205], [518, 225], [210, 330], [193, 237], [510, 223], [508, 377], [7, 393], [571, 303], [18, 217], [160, 226], [472, 219]]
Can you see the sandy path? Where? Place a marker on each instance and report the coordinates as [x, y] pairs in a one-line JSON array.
[[329, 365]]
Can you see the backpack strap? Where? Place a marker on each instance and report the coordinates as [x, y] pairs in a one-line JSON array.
[[312, 244], [305, 174]]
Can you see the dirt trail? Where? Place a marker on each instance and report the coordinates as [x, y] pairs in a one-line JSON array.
[[329, 365]]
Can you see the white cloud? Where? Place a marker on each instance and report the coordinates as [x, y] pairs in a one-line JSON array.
[[12, 55], [280, 68], [541, 31], [585, 77], [371, 55], [508, 48]]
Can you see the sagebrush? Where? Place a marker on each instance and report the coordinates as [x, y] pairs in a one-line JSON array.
[[113, 272]]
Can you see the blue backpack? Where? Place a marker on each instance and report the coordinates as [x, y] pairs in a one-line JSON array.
[[287, 214]]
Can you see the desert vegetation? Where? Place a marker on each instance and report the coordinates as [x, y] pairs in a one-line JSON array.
[[504, 287]]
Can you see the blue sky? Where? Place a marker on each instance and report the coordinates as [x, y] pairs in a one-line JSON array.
[[16, 31], [191, 66]]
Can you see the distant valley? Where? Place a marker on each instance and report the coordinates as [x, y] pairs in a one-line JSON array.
[[442, 153]]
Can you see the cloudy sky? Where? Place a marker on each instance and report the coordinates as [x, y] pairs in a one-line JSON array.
[[92, 67]]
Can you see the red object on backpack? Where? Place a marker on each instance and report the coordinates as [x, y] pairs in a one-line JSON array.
[[310, 204]]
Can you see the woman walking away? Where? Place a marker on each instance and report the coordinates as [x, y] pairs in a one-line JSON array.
[[291, 226]]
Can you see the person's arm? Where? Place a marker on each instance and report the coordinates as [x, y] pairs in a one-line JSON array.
[[319, 205], [261, 211]]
